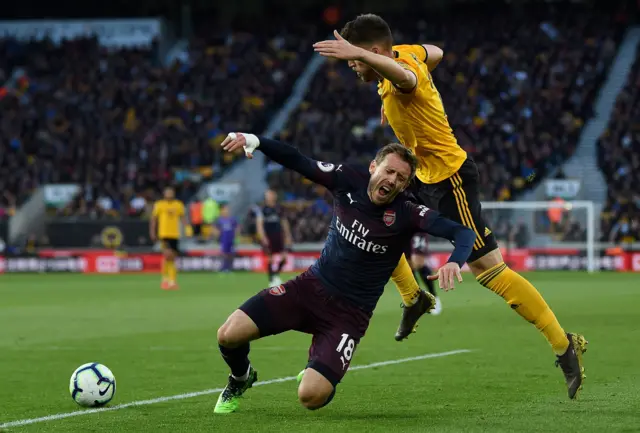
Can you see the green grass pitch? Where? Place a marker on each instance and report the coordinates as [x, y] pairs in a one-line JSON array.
[[162, 344]]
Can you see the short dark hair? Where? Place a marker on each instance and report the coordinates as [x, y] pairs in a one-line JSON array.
[[405, 154], [368, 29]]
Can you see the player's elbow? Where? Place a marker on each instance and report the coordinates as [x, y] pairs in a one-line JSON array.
[[434, 55]]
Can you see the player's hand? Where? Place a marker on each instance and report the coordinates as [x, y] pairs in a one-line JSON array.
[[338, 49], [152, 237], [383, 117], [446, 276], [235, 141]]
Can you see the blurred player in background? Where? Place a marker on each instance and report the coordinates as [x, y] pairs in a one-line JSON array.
[[274, 234], [164, 225], [446, 177], [226, 230], [420, 266]]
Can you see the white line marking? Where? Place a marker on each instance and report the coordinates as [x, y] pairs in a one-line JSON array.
[[58, 416]]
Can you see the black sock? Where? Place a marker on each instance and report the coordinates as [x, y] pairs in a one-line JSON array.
[[425, 271], [270, 269], [281, 265], [237, 359]]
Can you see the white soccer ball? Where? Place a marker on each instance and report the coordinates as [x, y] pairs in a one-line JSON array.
[[92, 385]]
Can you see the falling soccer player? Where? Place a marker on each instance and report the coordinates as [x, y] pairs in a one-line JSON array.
[[446, 177], [334, 299]]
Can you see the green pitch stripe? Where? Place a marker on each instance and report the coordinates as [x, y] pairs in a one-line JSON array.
[[58, 416]]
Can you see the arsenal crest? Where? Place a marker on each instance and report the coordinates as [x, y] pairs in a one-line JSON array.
[[389, 217], [277, 291]]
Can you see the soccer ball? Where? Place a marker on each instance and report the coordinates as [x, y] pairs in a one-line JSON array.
[[92, 385]]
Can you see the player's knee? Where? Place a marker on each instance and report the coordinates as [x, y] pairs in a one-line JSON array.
[[313, 399], [225, 335], [486, 262], [315, 391], [237, 330], [229, 335]]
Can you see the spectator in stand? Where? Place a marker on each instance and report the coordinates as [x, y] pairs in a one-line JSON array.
[[619, 157], [7, 204], [195, 216], [114, 120]]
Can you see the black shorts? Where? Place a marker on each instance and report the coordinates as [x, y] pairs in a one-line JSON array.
[[172, 244], [458, 198], [304, 305], [276, 244]]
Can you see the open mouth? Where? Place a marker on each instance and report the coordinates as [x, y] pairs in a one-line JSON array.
[[384, 190]]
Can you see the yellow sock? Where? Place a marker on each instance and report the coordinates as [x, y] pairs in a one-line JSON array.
[[171, 271], [406, 282], [163, 269], [525, 300]]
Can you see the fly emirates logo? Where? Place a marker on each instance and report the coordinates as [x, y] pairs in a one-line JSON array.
[[357, 236]]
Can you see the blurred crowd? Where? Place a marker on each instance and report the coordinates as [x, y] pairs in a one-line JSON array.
[[619, 157], [518, 85], [517, 92], [122, 125]]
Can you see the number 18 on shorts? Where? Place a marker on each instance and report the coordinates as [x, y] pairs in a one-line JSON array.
[[304, 305]]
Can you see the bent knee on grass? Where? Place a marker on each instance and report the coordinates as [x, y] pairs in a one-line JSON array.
[[238, 329], [314, 390]]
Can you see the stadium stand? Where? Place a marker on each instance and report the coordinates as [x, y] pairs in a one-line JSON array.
[[517, 97], [123, 126], [619, 157]]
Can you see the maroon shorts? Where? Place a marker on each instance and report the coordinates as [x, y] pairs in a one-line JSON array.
[[276, 244], [304, 305]]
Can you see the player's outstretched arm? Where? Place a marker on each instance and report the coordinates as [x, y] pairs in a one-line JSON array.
[[288, 156], [388, 68], [391, 70]]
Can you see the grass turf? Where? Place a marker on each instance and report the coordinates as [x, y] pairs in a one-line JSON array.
[[161, 343]]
